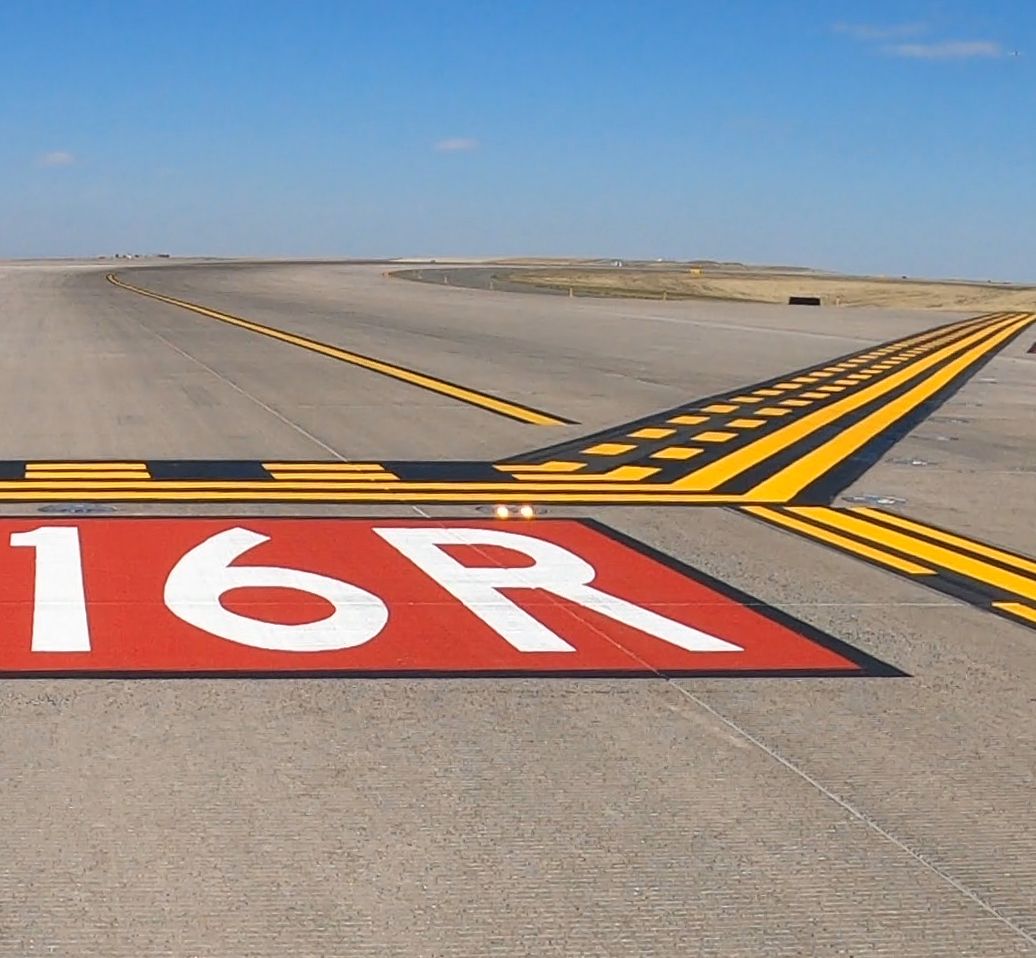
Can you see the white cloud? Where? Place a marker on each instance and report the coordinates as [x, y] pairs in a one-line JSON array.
[[57, 158], [456, 144], [872, 31], [947, 50]]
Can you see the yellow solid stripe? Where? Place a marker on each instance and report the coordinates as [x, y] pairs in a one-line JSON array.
[[276, 492], [609, 449], [139, 475], [322, 466], [785, 483], [552, 466], [325, 476], [1016, 608], [615, 480], [712, 475], [651, 432], [430, 383], [678, 453], [621, 474], [84, 466], [924, 551], [848, 545], [1008, 558]]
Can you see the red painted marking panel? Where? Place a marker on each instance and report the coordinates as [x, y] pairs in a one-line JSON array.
[[411, 621]]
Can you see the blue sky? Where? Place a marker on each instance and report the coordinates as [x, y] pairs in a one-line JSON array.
[[890, 137]]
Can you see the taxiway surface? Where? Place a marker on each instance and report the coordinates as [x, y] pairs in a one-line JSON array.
[[424, 816]]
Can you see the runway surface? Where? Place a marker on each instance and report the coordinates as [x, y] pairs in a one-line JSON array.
[[788, 711]]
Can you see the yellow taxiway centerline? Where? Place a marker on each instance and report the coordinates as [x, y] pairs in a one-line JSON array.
[[501, 407]]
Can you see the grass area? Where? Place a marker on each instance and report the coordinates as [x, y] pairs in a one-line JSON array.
[[772, 286]]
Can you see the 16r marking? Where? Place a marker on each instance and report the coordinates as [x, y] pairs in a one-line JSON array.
[[376, 597], [194, 586]]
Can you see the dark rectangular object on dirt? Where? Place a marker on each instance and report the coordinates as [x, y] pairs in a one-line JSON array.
[[803, 300]]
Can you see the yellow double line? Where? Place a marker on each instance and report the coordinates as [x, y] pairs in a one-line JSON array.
[[792, 479], [501, 407], [941, 559]]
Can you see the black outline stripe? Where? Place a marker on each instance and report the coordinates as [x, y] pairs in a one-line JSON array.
[[825, 487], [960, 581], [964, 550], [572, 448], [869, 665], [974, 592]]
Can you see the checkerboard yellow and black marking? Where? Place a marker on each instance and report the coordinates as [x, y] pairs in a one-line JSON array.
[[991, 578]]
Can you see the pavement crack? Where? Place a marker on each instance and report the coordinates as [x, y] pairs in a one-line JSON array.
[[244, 392], [860, 816]]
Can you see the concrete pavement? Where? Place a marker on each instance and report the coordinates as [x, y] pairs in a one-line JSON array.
[[526, 816]]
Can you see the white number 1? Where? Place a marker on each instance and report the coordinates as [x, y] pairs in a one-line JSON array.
[[59, 622]]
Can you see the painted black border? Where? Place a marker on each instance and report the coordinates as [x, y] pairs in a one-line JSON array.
[[822, 491], [567, 446], [973, 592], [868, 666], [870, 452], [828, 486]]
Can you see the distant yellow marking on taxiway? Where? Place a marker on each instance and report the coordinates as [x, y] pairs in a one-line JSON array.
[[501, 407]]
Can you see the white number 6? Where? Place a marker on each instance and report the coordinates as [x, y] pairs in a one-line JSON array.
[[194, 587]]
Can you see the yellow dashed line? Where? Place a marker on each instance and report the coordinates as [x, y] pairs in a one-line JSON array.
[[619, 474], [746, 423], [609, 449], [651, 432], [379, 476], [552, 466], [675, 452], [346, 467], [93, 474], [688, 420], [922, 384], [714, 436], [86, 466], [86, 470]]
